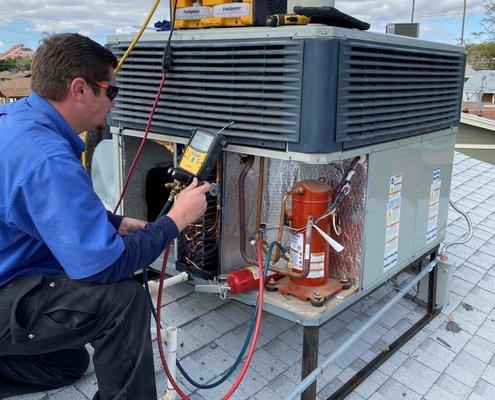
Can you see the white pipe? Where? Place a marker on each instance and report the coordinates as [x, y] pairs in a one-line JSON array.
[[296, 392], [182, 277], [171, 355]]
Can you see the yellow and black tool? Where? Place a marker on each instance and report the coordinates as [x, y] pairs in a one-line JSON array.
[[198, 160], [286, 19]]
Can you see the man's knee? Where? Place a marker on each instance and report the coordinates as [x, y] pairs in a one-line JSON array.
[[64, 367], [73, 363]]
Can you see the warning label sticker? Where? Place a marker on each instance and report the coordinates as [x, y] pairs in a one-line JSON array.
[[256, 273], [317, 262], [393, 221], [431, 230]]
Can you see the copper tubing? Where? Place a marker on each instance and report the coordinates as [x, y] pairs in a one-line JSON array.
[[306, 256], [261, 180], [281, 223], [242, 212]]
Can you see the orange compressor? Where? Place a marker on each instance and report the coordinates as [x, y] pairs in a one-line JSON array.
[[310, 198]]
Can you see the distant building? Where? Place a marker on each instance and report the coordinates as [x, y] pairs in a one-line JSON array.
[[7, 75], [14, 89], [479, 94]]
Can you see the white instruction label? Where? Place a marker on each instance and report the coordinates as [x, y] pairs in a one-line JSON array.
[[393, 221], [431, 230], [317, 261], [317, 264], [193, 13], [232, 10], [296, 241]]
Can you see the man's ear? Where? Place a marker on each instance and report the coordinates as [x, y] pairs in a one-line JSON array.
[[78, 89]]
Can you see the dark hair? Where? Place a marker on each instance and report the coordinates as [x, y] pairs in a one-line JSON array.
[[63, 57]]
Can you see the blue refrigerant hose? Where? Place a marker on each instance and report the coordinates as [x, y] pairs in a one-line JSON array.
[[246, 341]]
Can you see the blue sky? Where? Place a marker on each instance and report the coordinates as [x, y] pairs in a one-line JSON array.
[[27, 21]]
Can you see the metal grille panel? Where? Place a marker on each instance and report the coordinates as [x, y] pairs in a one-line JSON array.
[[386, 92], [257, 84]]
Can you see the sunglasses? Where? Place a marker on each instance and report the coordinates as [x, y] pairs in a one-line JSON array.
[[110, 90]]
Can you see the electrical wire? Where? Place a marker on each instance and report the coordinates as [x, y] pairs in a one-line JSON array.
[[138, 36], [469, 235]]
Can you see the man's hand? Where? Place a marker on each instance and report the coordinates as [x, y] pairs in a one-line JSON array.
[[189, 205], [129, 225]]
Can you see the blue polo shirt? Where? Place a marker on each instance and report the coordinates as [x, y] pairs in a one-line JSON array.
[[51, 220]]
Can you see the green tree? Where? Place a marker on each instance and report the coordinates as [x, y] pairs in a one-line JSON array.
[[481, 55], [487, 32], [16, 64], [480, 48]]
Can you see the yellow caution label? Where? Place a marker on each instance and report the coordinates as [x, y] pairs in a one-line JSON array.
[[192, 160]]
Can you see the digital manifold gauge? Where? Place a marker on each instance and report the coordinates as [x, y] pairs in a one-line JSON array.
[[200, 156]]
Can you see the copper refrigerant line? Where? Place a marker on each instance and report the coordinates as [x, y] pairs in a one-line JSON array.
[[249, 161], [197, 234], [341, 190]]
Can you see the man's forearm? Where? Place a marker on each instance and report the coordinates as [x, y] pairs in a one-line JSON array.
[[125, 225], [129, 225]]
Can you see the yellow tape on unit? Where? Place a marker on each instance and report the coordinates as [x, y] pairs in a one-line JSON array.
[[192, 160]]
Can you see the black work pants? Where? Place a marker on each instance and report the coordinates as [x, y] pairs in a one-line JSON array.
[[45, 322]]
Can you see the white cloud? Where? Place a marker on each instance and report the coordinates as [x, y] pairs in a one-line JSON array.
[[79, 15], [387, 10], [380, 12], [122, 16], [1, 44]]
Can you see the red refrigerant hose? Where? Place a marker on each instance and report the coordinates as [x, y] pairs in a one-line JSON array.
[[257, 327], [252, 346], [159, 329], [143, 141]]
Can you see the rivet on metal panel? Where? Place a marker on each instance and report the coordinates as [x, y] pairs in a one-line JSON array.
[[52, 284], [31, 336]]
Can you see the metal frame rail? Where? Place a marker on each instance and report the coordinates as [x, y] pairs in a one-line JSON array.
[[311, 336]]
